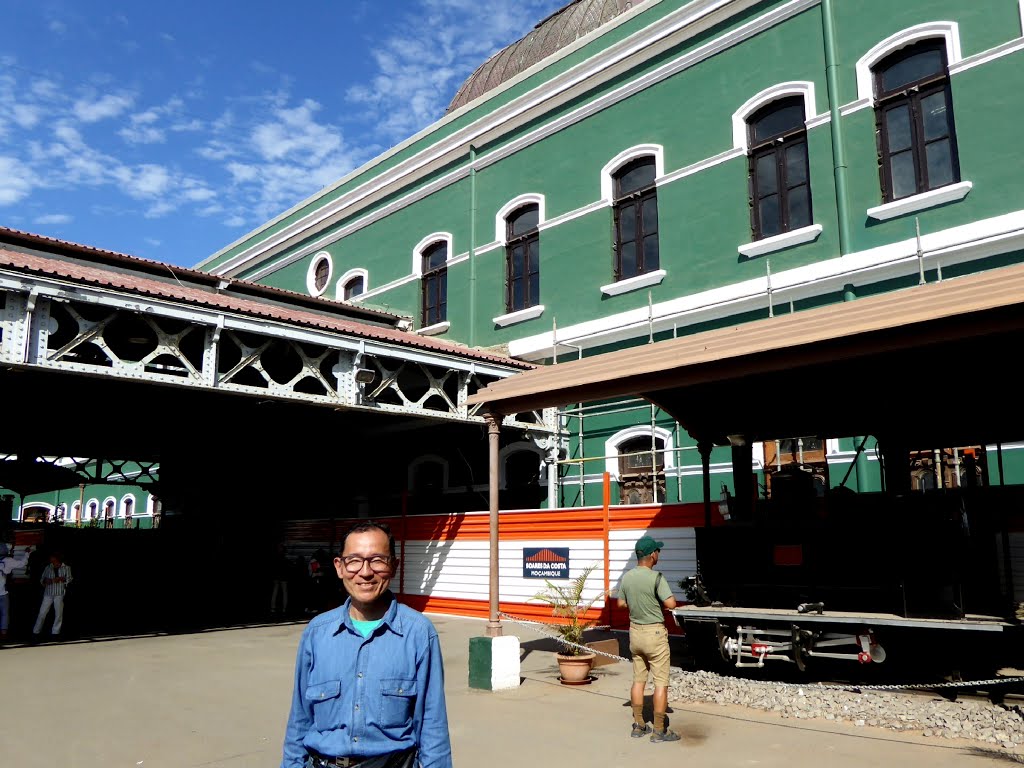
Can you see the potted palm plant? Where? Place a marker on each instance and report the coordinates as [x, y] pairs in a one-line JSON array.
[[567, 603]]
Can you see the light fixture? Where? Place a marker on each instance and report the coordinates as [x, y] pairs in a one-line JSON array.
[[365, 375]]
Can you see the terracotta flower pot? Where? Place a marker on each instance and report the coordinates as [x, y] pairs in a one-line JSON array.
[[575, 670]]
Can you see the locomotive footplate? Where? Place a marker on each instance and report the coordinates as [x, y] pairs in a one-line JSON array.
[[751, 637]]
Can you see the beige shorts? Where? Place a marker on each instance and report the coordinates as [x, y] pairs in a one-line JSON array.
[[651, 656]]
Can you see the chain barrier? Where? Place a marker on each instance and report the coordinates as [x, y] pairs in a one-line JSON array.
[[769, 683]]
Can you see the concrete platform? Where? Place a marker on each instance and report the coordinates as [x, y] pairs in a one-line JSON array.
[[220, 699]]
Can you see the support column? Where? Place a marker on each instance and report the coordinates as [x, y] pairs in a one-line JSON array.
[[494, 660], [493, 421], [704, 448]]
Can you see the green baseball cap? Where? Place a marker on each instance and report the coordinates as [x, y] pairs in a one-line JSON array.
[[646, 546]]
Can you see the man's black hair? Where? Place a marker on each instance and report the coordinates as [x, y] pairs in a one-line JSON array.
[[369, 525]]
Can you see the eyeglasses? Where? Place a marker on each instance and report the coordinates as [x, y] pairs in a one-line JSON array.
[[377, 563]]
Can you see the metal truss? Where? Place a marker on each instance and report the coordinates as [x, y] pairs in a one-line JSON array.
[[105, 471], [101, 332]]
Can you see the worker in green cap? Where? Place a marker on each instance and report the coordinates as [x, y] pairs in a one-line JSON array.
[[646, 593]]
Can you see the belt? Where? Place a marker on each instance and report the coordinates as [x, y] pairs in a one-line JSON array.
[[321, 761]]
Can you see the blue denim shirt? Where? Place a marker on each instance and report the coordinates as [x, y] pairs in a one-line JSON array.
[[357, 697]]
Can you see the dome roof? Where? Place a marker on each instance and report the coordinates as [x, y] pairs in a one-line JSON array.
[[558, 30]]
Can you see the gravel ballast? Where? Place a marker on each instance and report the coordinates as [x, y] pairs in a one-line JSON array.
[[976, 720]]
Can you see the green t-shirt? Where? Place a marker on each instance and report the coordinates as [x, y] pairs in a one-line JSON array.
[[644, 591], [365, 628]]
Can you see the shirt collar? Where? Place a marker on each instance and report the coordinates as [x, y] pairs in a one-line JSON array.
[[391, 619]]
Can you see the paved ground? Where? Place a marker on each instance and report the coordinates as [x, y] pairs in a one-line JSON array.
[[220, 698]]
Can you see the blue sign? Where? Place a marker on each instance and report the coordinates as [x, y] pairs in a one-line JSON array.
[[545, 562]]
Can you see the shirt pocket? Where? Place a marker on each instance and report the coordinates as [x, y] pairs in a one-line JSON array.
[[397, 700], [325, 701]]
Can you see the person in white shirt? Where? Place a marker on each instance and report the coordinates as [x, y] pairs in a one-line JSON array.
[[55, 579], [8, 563]]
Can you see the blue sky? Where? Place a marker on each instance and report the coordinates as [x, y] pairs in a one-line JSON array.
[[168, 130]]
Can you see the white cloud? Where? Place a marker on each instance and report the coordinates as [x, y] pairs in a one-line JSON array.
[[26, 115], [58, 27], [435, 48], [16, 180], [235, 221], [107, 106], [54, 218]]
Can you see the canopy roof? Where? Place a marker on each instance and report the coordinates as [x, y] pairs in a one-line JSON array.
[[923, 361]]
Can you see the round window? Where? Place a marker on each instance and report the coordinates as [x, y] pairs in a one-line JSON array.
[[319, 274]]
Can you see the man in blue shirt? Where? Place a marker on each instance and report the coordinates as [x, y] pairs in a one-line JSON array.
[[369, 680]]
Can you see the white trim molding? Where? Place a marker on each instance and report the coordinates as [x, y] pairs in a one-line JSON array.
[[519, 316], [956, 245], [435, 330], [804, 88], [778, 242], [339, 290], [109, 501], [948, 30], [634, 283], [1021, 3], [524, 446], [311, 273], [985, 57], [92, 509], [427, 458], [510, 207], [422, 245], [703, 165], [933, 197], [625, 156], [611, 447]]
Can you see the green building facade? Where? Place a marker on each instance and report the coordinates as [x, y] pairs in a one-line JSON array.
[[633, 171]]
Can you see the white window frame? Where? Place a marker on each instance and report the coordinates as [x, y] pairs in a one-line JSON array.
[[524, 446], [500, 218], [88, 505], [428, 458], [339, 288], [611, 448], [627, 156], [947, 30], [740, 130], [76, 511], [426, 242], [103, 508], [311, 273]]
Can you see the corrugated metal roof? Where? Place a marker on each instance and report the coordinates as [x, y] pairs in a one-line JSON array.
[[558, 30], [123, 280], [866, 325]]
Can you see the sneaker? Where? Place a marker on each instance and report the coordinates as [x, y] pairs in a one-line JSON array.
[[665, 735], [641, 730]]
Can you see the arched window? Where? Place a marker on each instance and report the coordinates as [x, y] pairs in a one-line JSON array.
[[93, 509], [636, 218], [914, 119], [128, 506], [641, 470], [780, 191], [353, 287], [522, 258], [428, 474], [76, 511], [109, 511], [434, 283]]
